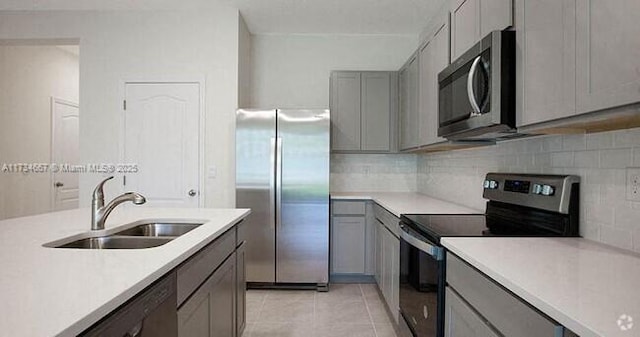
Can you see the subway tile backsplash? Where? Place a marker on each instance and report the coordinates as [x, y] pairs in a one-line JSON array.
[[373, 172], [599, 159]]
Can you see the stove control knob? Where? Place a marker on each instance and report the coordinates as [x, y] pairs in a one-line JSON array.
[[486, 184], [493, 184], [548, 190], [537, 189]]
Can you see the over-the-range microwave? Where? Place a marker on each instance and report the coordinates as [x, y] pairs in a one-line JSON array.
[[476, 98]]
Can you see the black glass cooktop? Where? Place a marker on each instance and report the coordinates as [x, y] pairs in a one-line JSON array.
[[436, 226]]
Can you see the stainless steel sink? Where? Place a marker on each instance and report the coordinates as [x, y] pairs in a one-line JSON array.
[[116, 242], [159, 229]]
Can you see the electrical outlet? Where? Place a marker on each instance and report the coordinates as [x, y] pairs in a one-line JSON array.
[[633, 183]]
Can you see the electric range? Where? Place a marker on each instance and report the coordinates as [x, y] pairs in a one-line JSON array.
[[518, 205]]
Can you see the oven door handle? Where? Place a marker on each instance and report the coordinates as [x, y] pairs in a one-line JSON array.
[[421, 243]]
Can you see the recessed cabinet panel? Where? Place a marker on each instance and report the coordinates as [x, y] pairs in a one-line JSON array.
[[376, 111], [546, 60], [409, 76], [608, 54], [345, 111], [465, 20], [495, 15], [348, 245], [461, 320], [434, 57]]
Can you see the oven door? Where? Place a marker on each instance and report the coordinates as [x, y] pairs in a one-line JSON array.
[[421, 283]]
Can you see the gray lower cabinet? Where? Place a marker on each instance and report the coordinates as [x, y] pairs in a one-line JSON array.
[[461, 320], [241, 289], [388, 259], [210, 311], [352, 238], [211, 291], [363, 111], [476, 306]]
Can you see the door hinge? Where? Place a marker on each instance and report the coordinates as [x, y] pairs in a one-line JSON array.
[[124, 104], [124, 180]]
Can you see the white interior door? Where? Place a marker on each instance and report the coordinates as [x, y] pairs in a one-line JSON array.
[[65, 149], [162, 128]]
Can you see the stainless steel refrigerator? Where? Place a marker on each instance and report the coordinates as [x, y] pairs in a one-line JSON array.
[[282, 174]]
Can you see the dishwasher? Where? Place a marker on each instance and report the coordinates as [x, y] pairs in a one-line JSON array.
[[151, 313]]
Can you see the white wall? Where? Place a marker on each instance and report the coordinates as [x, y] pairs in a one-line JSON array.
[[146, 45], [244, 64], [599, 159], [29, 77], [292, 71]]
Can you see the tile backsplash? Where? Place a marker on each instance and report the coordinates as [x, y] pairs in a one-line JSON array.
[[599, 159], [373, 172]]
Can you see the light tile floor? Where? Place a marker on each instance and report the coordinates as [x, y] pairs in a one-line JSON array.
[[346, 310]]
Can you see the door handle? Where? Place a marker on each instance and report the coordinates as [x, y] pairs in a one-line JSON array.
[[470, 92], [58, 184], [278, 182], [192, 193]]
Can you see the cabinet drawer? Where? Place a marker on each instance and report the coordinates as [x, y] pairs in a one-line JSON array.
[[195, 270], [506, 313], [389, 220], [349, 208]]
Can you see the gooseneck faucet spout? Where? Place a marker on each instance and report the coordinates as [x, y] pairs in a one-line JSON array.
[[100, 212]]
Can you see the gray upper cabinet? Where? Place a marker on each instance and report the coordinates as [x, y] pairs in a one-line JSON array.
[[434, 57], [473, 19], [363, 111], [608, 54], [345, 111], [545, 37], [376, 111], [408, 130]]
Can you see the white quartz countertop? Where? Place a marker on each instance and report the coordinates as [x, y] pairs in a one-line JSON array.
[[583, 285], [61, 292], [407, 203]]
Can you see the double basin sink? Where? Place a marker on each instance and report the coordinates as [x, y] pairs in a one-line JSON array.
[[142, 235]]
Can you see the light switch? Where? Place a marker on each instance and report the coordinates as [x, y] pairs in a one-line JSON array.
[[212, 172]]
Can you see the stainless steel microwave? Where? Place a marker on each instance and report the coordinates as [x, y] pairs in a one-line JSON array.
[[476, 98]]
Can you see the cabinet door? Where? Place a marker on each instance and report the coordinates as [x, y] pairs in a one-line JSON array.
[[241, 289], [434, 57], [394, 288], [409, 105], [495, 15], [379, 238], [545, 38], [376, 111], [465, 26], [461, 320], [345, 111], [348, 245], [211, 309], [608, 54]]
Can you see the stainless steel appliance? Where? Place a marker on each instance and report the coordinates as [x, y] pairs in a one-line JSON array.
[[518, 205], [282, 174], [476, 98]]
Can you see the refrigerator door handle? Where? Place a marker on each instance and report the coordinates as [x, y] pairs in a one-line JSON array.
[[272, 181], [278, 178]]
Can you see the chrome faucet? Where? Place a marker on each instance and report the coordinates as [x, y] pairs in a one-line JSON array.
[[100, 212]]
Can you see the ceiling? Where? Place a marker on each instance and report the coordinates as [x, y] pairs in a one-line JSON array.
[[279, 16]]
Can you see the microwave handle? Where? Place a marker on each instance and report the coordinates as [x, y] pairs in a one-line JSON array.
[[472, 95]]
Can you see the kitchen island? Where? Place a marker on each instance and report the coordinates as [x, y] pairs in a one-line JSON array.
[[62, 292]]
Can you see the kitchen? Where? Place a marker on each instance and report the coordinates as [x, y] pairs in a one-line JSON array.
[[571, 82]]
